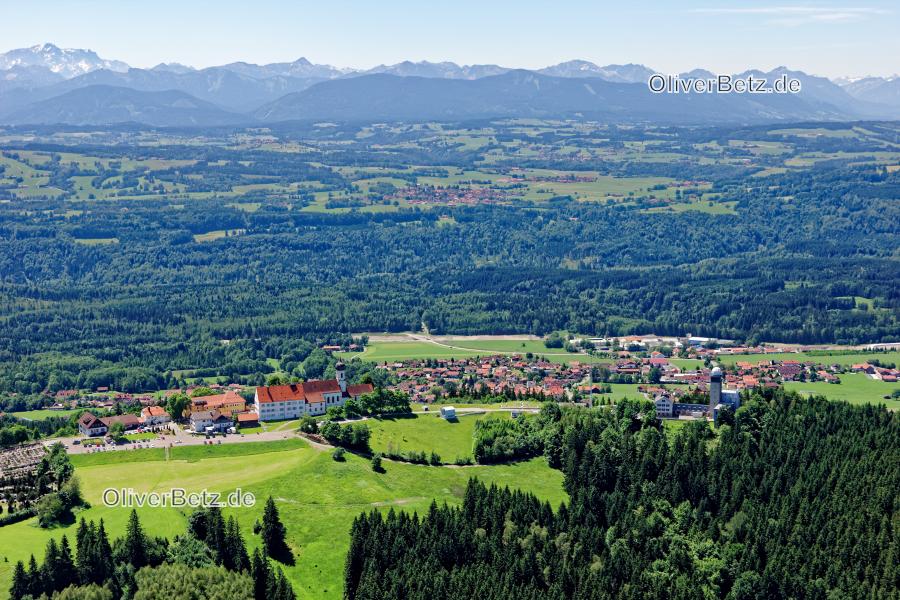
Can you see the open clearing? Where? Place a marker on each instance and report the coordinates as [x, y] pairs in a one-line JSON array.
[[317, 498], [428, 432], [37, 415], [398, 348]]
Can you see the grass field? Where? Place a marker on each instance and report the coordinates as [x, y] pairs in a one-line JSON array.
[[37, 415], [855, 388], [836, 358], [396, 351], [428, 433], [401, 350], [317, 498]]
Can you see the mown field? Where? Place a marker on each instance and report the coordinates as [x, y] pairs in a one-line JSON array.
[[317, 497]]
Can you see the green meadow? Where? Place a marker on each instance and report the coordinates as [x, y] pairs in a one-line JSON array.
[[395, 351], [37, 415], [855, 388], [391, 351], [825, 358], [316, 496], [428, 432]]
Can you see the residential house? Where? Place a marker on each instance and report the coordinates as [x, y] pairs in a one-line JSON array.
[[209, 420], [154, 415]]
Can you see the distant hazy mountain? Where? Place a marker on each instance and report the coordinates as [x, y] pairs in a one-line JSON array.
[[36, 82], [28, 76], [226, 88], [68, 62], [173, 68], [629, 73], [880, 90], [442, 70], [102, 104], [300, 68], [528, 94]]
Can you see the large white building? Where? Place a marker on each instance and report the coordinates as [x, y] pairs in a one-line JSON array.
[[279, 402]]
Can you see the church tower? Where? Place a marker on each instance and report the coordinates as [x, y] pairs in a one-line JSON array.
[[341, 376]]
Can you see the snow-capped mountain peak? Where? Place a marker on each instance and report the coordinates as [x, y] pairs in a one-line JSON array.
[[67, 62]]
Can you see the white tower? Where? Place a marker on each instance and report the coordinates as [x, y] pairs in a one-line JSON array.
[[715, 388], [341, 375]]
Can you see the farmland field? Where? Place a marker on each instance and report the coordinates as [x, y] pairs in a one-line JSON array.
[[317, 498]]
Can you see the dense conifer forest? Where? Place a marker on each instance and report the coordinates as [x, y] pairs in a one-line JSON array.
[[796, 498]]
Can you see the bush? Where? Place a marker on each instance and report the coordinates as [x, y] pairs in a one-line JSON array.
[[52, 511], [309, 425], [338, 454], [376, 463]]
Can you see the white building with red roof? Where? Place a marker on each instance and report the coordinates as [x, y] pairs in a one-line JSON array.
[[278, 402]]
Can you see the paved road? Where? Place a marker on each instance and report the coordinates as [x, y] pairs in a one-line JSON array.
[[178, 438]]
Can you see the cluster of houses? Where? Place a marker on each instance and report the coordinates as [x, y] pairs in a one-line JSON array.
[[223, 411], [449, 196], [496, 375]]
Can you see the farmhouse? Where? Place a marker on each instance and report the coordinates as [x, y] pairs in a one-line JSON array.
[[90, 425], [278, 402]]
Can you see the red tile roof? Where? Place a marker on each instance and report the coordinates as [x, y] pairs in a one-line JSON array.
[[297, 391], [360, 388]]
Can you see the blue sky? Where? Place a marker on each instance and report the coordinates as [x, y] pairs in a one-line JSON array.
[[826, 38]]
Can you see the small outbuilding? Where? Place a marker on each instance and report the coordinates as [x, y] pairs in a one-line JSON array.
[[448, 412]]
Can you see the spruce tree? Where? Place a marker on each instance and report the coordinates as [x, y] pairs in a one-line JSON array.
[[101, 558], [259, 570], [20, 584], [134, 548], [35, 582], [273, 534], [234, 554], [65, 571]]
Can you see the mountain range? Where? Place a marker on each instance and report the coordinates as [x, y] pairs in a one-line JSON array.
[[45, 84]]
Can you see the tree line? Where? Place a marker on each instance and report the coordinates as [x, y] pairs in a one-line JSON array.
[[792, 500]]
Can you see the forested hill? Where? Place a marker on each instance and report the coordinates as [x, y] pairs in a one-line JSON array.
[[798, 498], [122, 262]]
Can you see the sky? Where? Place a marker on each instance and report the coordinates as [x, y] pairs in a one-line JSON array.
[[849, 38]]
